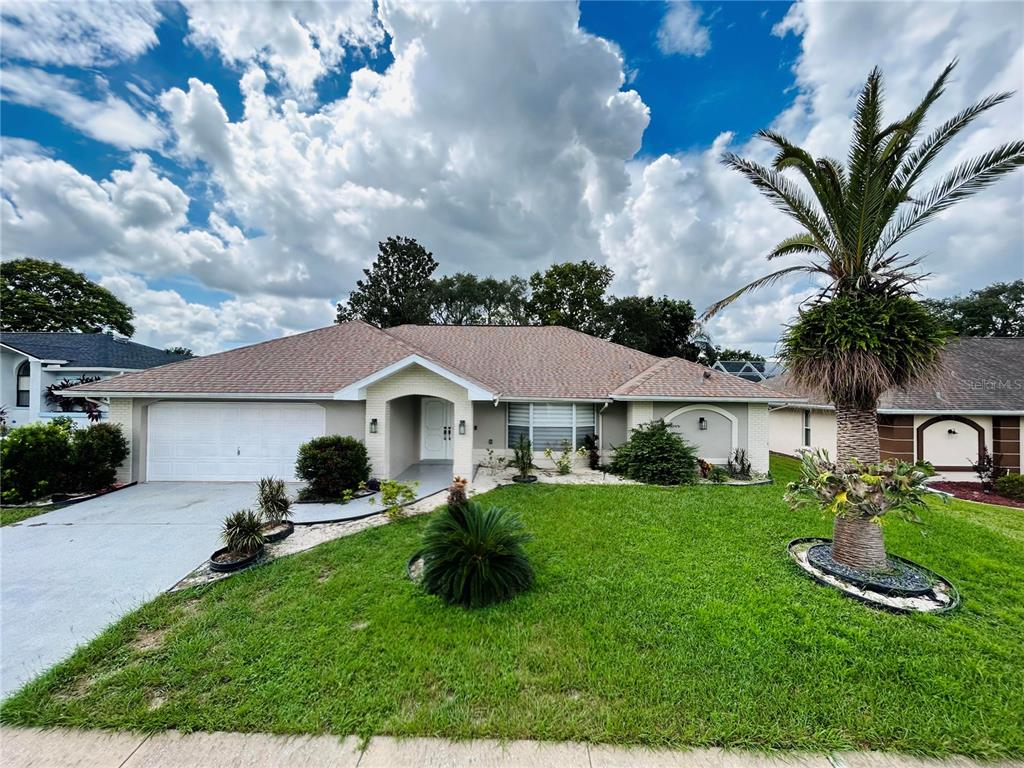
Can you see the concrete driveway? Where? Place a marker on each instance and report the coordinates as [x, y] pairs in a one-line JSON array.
[[66, 575]]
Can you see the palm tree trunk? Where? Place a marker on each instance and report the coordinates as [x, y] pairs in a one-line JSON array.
[[856, 541], [856, 434]]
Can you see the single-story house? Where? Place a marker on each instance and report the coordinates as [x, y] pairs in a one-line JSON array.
[[30, 362], [976, 402], [446, 394]]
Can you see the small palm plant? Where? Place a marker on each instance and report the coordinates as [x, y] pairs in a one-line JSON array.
[[243, 532], [272, 499], [473, 556]]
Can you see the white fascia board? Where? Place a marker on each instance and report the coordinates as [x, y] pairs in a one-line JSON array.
[[708, 399], [950, 411], [86, 369], [357, 389], [198, 395], [17, 351], [555, 399]]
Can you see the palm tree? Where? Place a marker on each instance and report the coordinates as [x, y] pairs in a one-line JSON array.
[[864, 333]]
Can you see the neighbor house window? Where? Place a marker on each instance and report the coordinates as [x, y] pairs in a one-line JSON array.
[[549, 425], [24, 385], [807, 429]]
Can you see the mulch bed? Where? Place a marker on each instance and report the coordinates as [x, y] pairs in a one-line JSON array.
[[973, 492]]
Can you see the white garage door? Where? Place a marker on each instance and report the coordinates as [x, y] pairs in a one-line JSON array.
[[228, 441]]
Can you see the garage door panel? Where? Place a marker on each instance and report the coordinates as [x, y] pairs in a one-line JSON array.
[[228, 441]]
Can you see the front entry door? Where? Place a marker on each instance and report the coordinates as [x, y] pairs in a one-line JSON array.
[[436, 429]]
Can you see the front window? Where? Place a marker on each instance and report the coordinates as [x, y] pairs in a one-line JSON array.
[[24, 385], [549, 425], [807, 429]]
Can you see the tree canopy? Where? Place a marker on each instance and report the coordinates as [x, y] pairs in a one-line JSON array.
[[664, 327], [572, 295], [40, 295], [996, 310], [397, 288]]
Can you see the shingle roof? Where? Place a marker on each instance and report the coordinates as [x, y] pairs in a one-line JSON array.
[[320, 361], [675, 377], [548, 362], [979, 374], [529, 361], [89, 350]]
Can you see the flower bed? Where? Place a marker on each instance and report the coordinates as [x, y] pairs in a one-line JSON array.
[[973, 492]]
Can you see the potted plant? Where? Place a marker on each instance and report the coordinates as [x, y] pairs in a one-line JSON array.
[[275, 508], [522, 460], [243, 539]]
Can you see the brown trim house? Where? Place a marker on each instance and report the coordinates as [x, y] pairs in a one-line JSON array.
[[975, 404]]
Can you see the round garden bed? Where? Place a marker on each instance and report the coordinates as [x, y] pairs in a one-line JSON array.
[[905, 587], [225, 561], [279, 532]]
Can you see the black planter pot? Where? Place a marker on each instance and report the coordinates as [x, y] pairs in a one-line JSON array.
[[282, 534], [524, 480], [236, 565]]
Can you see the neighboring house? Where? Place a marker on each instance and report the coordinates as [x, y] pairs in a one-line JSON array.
[[977, 401], [751, 370], [30, 362], [420, 394]]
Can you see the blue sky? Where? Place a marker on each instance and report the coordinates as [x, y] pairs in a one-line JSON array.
[[216, 166]]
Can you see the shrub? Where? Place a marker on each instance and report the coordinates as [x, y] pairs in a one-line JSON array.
[[243, 532], [474, 556], [96, 453], [522, 456], [654, 454], [739, 465], [718, 475], [564, 460], [394, 496], [986, 469], [272, 499], [591, 446], [331, 465], [36, 459], [1011, 486]]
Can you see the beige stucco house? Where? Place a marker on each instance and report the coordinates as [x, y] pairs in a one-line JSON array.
[[977, 402], [439, 394]]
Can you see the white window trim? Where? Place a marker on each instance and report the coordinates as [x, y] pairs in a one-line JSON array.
[[572, 426], [805, 429]]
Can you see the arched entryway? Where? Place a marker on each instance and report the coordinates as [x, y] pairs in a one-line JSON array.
[[950, 443]]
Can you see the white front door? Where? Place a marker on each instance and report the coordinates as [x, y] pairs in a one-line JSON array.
[[436, 429]]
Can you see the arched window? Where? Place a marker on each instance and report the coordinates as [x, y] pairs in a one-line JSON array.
[[24, 385]]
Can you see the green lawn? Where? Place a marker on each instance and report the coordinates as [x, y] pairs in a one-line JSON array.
[[17, 514], [659, 616]]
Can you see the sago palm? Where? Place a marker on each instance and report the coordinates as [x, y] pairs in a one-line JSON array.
[[863, 333]]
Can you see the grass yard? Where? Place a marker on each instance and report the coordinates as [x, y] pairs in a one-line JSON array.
[[17, 514], [660, 616]]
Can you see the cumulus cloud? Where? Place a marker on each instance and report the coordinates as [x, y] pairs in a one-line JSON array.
[[681, 30], [297, 42], [163, 318], [78, 33], [108, 119], [457, 144], [696, 229]]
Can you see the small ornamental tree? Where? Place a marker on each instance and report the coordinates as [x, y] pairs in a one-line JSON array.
[[655, 454]]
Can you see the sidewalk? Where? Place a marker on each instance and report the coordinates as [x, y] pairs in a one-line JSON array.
[[22, 748]]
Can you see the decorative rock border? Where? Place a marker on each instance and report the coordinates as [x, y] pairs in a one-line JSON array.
[[941, 597]]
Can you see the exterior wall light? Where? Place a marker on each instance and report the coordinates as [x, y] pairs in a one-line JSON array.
[[702, 424], [462, 426], [373, 426]]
